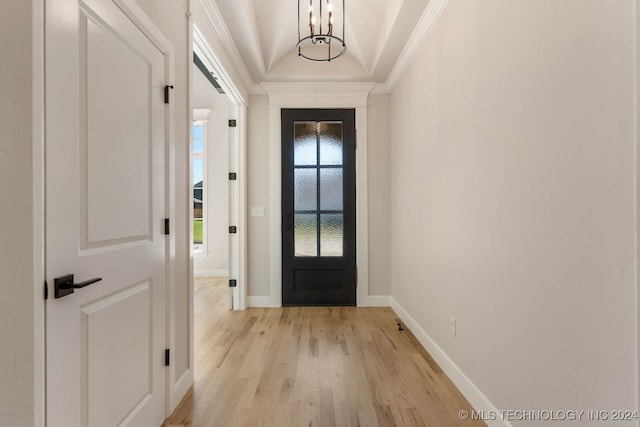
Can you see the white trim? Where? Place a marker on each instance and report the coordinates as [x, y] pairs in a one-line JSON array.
[[202, 48], [167, 49], [316, 95], [222, 43], [146, 25], [256, 89], [211, 273], [240, 292], [38, 212], [275, 211], [201, 115], [173, 392], [179, 387], [362, 207], [375, 301], [183, 384], [263, 302], [233, 207], [476, 398], [427, 21]]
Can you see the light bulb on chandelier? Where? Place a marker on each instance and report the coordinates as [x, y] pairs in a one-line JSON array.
[[317, 45]]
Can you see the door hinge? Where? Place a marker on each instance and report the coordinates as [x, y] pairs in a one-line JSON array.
[[232, 176], [167, 227], [166, 93], [233, 229], [232, 123], [167, 357], [355, 139], [46, 290], [233, 283]]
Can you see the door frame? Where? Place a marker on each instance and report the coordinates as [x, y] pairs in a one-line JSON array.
[[317, 95]]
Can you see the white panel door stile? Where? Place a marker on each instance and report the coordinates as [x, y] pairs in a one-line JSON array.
[[105, 161]]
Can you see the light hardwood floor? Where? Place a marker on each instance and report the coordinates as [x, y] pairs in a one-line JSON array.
[[311, 366]]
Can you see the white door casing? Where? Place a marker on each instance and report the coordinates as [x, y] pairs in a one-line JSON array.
[[106, 189], [203, 31]]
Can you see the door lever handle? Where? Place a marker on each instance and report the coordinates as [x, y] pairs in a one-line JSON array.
[[64, 285]]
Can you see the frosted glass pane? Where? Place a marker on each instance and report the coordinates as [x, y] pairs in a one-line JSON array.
[[198, 131], [331, 231], [305, 145], [330, 143], [305, 189], [331, 189], [306, 235]]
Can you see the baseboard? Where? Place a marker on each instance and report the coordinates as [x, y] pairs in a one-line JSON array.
[[180, 389], [476, 398], [263, 302], [210, 273], [375, 301]]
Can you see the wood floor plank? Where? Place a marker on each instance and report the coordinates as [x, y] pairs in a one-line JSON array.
[[310, 367]]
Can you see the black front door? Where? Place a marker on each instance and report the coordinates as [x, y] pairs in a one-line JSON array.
[[318, 207]]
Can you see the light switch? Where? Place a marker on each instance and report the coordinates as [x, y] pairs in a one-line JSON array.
[[257, 211]]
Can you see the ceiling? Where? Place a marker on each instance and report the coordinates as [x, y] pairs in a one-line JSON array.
[[265, 34]]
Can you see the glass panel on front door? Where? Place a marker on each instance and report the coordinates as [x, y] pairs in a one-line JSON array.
[[317, 189]]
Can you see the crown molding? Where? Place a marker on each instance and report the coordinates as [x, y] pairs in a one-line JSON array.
[[324, 94], [420, 33], [381, 89]]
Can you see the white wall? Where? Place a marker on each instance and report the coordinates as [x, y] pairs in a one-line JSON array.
[[258, 195], [18, 394], [379, 197], [215, 262], [512, 201]]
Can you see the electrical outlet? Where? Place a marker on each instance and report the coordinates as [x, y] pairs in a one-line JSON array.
[[257, 211], [452, 326]]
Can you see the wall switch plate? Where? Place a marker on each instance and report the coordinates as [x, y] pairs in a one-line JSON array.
[[257, 211], [452, 326]]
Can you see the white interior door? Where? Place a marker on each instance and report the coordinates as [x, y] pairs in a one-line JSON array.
[[105, 179]]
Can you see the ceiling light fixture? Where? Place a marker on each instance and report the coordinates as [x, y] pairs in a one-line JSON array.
[[317, 46]]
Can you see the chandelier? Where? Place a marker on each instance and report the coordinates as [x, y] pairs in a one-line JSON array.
[[321, 45]]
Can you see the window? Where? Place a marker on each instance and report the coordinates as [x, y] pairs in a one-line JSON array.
[[199, 179]]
